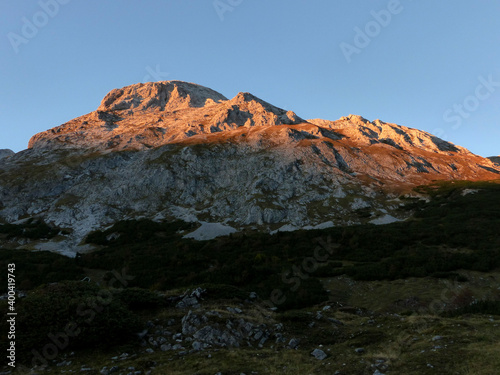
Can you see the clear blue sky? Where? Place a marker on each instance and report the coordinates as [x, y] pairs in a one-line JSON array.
[[427, 67]]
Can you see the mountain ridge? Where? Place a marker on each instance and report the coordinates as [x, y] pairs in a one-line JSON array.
[[149, 115], [145, 116]]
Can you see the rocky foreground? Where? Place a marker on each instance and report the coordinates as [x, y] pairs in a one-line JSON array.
[[197, 335]]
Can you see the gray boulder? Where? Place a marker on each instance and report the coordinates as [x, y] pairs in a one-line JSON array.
[[293, 344], [319, 354]]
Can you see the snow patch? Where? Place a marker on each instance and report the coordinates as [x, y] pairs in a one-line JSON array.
[[292, 228], [325, 225], [469, 191], [209, 231], [386, 219], [285, 228], [65, 247]]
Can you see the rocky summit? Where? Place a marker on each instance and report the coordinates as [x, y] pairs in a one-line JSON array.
[[176, 150], [149, 115]]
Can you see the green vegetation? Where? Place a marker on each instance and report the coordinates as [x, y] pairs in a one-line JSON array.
[[477, 307], [32, 229], [137, 231], [37, 268], [390, 290], [451, 232], [79, 314]]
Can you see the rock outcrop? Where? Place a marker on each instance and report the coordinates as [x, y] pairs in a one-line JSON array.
[[6, 153], [495, 159]]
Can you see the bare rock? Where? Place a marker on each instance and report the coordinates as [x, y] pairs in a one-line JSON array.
[[495, 159], [319, 354], [293, 344], [6, 153]]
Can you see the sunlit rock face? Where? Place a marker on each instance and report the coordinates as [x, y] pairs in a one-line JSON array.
[[149, 115], [177, 150]]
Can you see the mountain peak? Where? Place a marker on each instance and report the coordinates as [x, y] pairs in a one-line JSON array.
[[245, 97], [356, 119], [163, 96], [263, 113], [152, 114]]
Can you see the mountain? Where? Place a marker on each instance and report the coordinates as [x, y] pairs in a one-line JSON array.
[[176, 150]]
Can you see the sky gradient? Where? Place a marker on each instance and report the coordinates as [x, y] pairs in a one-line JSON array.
[[431, 65]]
